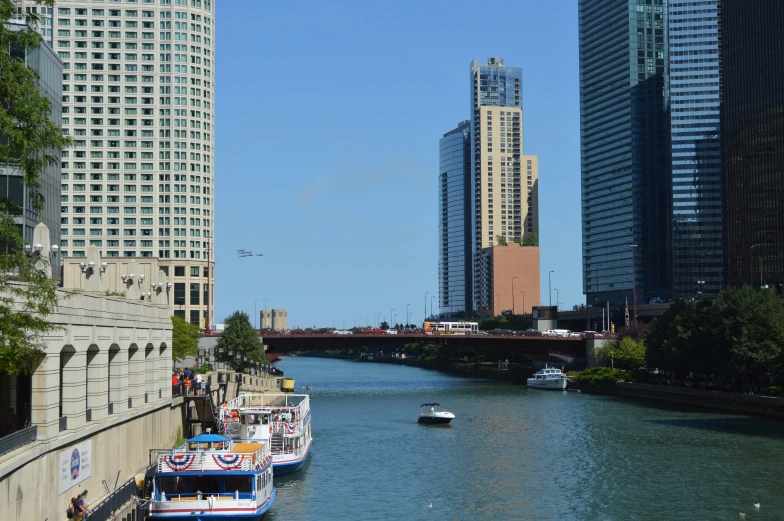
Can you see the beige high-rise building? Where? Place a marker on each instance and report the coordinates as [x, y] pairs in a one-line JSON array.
[[505, 180], [138, 100]]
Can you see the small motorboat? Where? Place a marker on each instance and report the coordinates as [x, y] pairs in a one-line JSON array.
[[430, 414]]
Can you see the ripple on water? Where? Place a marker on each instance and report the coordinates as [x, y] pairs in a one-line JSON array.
[[519, 454]]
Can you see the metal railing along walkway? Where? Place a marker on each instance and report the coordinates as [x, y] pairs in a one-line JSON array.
[[18, 438]]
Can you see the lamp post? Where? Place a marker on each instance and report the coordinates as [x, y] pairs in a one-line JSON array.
[[408, 321], [760, 262], [550, 285], [513, 306], [557, 298], [425, 305], [391, 315], [367, 320], [431, 304], [634, 282]]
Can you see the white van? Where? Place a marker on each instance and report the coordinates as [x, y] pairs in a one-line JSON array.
[[557, 332]]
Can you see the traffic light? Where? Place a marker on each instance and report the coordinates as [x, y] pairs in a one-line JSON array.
[[612, 327]]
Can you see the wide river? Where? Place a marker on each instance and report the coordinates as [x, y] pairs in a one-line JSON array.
[[514, 453]]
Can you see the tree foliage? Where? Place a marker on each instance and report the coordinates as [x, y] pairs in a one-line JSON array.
[[513, 322], [604, 375], [740, 333], [239, 338], [384, 325], [185, 339], [625, 353], [531, 239], [29, 142], [500, 240]]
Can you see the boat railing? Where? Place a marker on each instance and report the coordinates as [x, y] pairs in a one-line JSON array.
[[220, 460], [204, 496]]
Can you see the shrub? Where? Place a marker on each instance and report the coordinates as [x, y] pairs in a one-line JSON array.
[[604, 375], [776, 390]]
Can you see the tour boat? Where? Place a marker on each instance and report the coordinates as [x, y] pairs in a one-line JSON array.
[[430, 415], [280, 420], [548, 378], [212, 477]]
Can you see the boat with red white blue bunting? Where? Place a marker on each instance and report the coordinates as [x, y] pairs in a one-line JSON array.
[[212, 477], [280, 420]]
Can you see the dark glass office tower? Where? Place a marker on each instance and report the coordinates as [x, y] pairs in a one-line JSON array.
[[753, 127], [454, 223], [625, 150], [697, 182]]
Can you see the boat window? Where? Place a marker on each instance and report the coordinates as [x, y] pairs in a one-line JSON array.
[[243, 419], [265, 419], [206, 483], [241, 483], [170, 485]]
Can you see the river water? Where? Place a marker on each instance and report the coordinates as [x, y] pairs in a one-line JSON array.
[[514, 453]]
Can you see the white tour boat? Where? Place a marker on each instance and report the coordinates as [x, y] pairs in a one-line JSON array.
[[429, 414], [212, 477], [282, 420], [548, 378]]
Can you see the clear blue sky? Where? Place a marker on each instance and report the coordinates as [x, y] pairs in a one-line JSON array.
[[327, 128]]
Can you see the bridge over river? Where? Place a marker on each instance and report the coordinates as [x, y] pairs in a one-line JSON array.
[[542, 346]]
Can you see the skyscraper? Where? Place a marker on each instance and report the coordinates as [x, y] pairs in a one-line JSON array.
[[697, 182], [138, 94], [753, 132], [504, 182], [625, 150], [49, 70], [454, 226]]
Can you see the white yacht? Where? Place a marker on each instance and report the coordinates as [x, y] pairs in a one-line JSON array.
[[430, 415], [548, 378]]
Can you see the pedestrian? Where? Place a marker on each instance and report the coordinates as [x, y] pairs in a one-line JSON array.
[[199, 389], [84, 510], [187, 386], [70, 513], [26, 416]]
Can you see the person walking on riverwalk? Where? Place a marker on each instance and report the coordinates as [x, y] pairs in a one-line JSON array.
[[199, 384], [187, 386]]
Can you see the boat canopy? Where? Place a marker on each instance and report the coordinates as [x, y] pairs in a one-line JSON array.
[[429, 404], [208, 438]]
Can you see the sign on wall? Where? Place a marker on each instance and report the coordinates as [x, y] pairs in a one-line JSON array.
[[75, 465]]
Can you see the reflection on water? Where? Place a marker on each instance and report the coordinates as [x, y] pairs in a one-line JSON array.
[[512, 453]]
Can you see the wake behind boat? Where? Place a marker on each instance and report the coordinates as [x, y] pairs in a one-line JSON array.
[[211, 477], [282, 420], [430, 415], [548, 378]]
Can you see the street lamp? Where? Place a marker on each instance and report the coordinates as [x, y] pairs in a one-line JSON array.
[[634, 281], [431, 304], [513, 306], [425, 305], [557, 299], [408, 319], [550, 285], [392, 315]]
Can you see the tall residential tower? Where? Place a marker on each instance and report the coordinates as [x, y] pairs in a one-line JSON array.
[[138, 100], [454, 225], [625, 150]]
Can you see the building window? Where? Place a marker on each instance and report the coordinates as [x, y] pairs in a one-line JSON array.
[[195, 319], [179, 313], [179, 293], [194, 271], [179, 271], [195, 295]]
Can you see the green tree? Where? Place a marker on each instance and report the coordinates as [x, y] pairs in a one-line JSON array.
[[385, 325], [518, 240], [239, 346], [29, 142], [500, 240], [753, 323], [625, 353], [185, 339], [531, 239]]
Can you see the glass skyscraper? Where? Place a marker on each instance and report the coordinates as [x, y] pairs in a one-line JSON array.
[[454, 225], [753, 132], [625, 150], [697, 186]]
